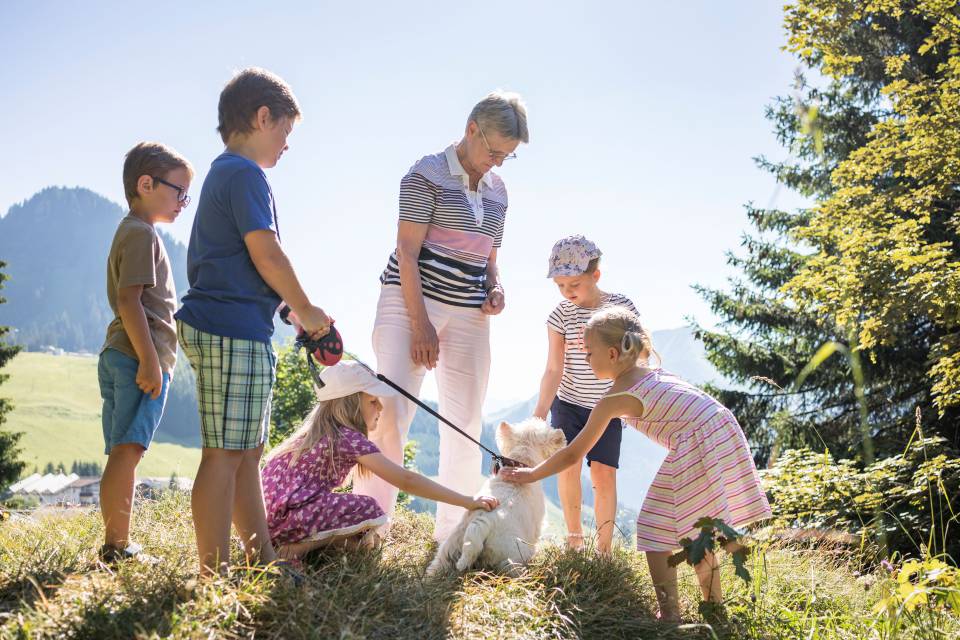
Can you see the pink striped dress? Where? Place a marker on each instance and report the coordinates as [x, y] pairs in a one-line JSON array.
[[709, 470]]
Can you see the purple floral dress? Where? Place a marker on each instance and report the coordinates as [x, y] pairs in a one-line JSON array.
[[301, 504]]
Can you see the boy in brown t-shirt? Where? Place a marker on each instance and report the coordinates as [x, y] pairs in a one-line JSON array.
[[140, 350]]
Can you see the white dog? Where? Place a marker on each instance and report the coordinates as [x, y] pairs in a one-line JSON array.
[[506, 537]]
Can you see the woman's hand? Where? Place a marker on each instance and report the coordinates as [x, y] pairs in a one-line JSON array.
[[519, 475], [424, 345], [487, 503], [495, 301]]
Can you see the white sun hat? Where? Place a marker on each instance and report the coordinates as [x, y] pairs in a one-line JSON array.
[[348, 377]]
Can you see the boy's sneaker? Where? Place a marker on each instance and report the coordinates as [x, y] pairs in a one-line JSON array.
[[110, 554]]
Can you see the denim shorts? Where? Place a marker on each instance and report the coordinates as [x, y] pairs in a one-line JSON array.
[[130, 416], [572, 419]]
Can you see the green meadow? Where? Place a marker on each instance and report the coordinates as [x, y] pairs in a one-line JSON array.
[[57, 407], [52, 587]]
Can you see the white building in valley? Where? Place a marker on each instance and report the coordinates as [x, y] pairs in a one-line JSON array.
[[58, 489]]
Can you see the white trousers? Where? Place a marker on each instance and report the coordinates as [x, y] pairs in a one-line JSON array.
[[462, 370]]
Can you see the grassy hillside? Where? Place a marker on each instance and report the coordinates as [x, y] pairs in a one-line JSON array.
[[51, 587], [57, 406]]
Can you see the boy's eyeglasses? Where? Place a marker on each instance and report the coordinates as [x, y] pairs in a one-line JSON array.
[[182, 196], [496, 156]]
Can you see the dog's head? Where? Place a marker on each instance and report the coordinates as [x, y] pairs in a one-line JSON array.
[[530, 442]]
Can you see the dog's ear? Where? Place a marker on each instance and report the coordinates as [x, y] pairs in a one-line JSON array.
[[504, 436], [557, 438]]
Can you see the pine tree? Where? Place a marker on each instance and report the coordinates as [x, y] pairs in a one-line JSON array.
[[766, 336], [86, 468], [10, 465], [886, 242]]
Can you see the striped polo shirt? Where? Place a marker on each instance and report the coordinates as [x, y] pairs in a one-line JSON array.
[[464, 227], [579, 385]]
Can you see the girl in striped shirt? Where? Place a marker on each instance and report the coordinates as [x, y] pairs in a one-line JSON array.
[[709, 471], [569, 389]]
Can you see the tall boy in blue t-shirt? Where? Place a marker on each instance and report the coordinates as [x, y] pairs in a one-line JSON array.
[[238, 276]]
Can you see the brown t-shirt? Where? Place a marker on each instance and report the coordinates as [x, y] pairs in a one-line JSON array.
[[138, 257]]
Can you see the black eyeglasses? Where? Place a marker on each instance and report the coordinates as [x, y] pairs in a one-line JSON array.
[[182, 196]]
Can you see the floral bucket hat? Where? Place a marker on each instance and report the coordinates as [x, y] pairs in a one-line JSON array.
[[571, 256]]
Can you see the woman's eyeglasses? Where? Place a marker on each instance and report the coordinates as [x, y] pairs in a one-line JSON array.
[[496, 156]]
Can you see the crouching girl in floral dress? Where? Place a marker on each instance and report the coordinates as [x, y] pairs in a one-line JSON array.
[[303, 510]]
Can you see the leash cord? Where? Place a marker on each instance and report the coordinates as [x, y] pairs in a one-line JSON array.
[[315, 373]]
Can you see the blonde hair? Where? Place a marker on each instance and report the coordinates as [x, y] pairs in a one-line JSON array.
[[620, 328], [325, 420]]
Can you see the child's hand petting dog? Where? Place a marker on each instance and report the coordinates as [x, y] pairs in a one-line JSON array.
[[487, 503], [519, 475]]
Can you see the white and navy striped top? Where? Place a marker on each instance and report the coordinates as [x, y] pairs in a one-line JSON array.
[[579, 385], [464, 227]]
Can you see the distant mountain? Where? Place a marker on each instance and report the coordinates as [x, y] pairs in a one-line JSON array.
[[683, 355], [515, 413], [55, 245]]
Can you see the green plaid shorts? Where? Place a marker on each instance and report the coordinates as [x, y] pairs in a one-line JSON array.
[[235, 379]]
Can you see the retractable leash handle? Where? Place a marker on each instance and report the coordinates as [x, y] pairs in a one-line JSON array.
[[327, 350]]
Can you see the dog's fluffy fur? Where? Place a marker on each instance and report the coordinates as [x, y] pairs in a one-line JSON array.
[[506, 537]]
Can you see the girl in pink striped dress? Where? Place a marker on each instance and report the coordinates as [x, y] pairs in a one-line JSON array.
[[709, 471]]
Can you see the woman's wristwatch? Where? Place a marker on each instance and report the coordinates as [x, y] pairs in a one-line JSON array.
[[496, 287]]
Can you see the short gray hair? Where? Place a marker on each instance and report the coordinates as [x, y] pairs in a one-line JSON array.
[[503, 112]]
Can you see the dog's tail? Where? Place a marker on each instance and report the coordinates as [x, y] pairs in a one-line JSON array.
[[473, 539]]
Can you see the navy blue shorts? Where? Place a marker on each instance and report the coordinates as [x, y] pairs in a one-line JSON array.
[[572, 418]]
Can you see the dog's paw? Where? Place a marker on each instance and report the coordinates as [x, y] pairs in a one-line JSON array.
[[512, 569]]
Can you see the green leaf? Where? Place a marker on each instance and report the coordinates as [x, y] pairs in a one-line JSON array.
[[728, 532], [740, 565], [679, 557], [697, 550]]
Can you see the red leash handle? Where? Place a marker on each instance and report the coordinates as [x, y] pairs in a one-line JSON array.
[[327, 350]]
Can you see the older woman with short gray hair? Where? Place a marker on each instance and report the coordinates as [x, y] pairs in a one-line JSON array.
[[438, 291]]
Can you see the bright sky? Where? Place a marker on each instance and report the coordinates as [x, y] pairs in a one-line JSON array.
[[644, 117]]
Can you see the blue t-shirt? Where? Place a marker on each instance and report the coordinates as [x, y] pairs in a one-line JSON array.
[[227, 296]]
